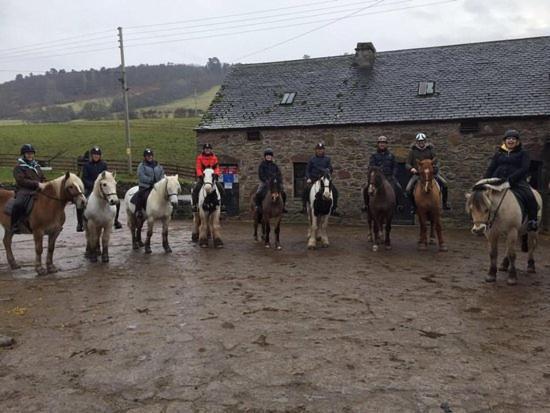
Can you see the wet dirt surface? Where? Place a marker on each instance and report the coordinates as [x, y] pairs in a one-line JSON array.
[[246, 329]]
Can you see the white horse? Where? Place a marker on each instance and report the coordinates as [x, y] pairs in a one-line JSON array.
[[495, 211], [100, 216], [207, 218], [319, 207], [160, 204]]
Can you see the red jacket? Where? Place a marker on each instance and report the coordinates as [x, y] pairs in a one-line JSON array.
[[207, 161]]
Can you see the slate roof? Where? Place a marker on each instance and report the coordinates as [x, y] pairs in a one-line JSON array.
[[508, 78]]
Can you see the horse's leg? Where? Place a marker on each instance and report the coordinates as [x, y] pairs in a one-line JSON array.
[[38, 247], [387, 240], [9, 253], [433, 224], [165, 243], [422, 221], [203, 230], [493, 256], [376, 234], [91, 241], [150, 225], [277, 232], [51, 247], [324, 233], [267, 231], [439, 231], [218, 243], [139, 227], [532, 240], [255, 225], [195, 231], [312, 242], [511, 240], [105, 237], [369, 224]]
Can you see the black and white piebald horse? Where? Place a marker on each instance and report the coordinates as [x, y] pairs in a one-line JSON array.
[[319, 207], [207, 218]]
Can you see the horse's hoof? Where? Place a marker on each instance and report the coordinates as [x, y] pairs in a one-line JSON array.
[[279, 248], [203, 243], [388, 247], [52, 269], [14, 266], [311, 247], [135, 246], [325, 245], [422, 247], [267, 246], [375, 248], [148, 249], [512, 280], [92, 258], [104, 258], [443, 248], [41, 271], [369, 238], [490, 278], [218, 244], [194, 237], [168, 250], [432, 241], [141, 244]]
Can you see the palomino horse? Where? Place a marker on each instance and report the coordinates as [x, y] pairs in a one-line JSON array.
[[381, 207], [47, 217], [495, 210], [319, 207], [100, 216], [206, 221], [271, 213], [428, 204], [161, 202]]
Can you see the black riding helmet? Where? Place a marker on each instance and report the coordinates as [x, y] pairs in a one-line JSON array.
[[206, 146], [511, 133], [320, 145], [268, 151], [26, 148], [147, 152], [96, 150]]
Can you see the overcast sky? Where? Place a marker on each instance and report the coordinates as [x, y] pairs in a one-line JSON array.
[[30, 30]]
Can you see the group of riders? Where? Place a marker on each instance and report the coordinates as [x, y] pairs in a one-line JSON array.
[[510, 163]]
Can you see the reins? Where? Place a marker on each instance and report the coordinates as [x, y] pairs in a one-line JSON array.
[[491, 220]]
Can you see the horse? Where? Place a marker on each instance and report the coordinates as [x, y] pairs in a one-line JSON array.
[[270, 213], [427, 198], [495, 210], [381, 207], [100, 216], [206, 221], [46, 218], [319, 207], [161, 202]]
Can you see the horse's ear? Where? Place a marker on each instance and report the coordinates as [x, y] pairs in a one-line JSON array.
[[114, 174], [67, 175], [103, 175]]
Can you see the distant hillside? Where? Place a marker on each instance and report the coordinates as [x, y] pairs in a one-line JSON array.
[[96, 94]]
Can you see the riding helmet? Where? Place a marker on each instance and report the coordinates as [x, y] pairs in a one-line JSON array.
[[420, 136], [206, 146], [147, 151], [96, 150], [268, 151], [511, 133], [27, 148], [320, 145], [382, 139]]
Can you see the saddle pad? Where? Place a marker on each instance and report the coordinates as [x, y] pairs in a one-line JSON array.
[[521, 201], [8, 208]]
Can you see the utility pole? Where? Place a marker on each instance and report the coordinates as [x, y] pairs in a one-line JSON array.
[[125, 94]]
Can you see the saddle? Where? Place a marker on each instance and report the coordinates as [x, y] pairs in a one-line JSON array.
[[28, 204], [500, 185]]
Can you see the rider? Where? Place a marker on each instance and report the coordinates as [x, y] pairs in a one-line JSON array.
[[90, 172], [421, 150], [511, 162], [206, 159], [149, 173], [29, 179], [316, 168], [268, 170], [385, 160]]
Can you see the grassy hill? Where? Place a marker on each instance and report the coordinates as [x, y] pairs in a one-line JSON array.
[[203, 101]]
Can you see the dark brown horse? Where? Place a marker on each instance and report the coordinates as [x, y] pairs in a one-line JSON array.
[[427, 198], [47, 217], [381, 207], [270, 213]]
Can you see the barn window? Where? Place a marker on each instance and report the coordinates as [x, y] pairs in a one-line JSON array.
[[253, 135], [469, 126], [288, 98], [426, 88], [299, 178]]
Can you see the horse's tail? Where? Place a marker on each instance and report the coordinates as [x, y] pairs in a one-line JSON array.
[[525, 242]]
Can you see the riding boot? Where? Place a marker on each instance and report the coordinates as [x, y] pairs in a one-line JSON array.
[[333, 211], [532, 212], [365, 199], [118, 225], [79, 220], [445, 197]]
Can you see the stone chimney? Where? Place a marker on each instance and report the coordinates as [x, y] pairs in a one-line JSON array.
[[365, 53]]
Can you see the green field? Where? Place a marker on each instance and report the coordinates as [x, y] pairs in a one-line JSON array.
[[203, 102]]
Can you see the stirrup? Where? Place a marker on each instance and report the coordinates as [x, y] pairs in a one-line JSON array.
[[532, 225]]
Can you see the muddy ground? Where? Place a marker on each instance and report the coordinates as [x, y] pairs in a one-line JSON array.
[[245, 329]]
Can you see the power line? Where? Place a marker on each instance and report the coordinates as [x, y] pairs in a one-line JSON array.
[[57, 48]]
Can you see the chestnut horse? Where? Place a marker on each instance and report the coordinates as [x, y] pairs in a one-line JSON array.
[[271, 213], [380, 208], [427, 198], [47, 217]]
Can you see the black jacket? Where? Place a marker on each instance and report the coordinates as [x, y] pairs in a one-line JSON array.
[[269, 170], [385, 161], [317, 166], [90, 172], [417, 154], [513, 165]]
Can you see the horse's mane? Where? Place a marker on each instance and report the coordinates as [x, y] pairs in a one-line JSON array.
[[479, 199]]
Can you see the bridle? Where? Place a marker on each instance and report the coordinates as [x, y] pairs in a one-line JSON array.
[[168, 194], [491, 219], [72, 196], [104, 195]]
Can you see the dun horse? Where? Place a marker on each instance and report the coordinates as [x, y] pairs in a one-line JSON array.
[[100, 216], [495, 210], [381, 207], [206, 221], [319, 206], [161, 202], [270, 214], [46, 218], [427, 198]]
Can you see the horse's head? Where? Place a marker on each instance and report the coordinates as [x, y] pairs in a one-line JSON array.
[[208, 180], [105, 185], [375, 179], [275, 189], [325, 181], [425, 169], [172, 189], [73, 190], [478, 206]]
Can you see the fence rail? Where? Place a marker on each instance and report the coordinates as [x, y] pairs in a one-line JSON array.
[[74, 164]]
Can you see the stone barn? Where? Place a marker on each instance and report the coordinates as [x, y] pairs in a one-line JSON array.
[[462, 96]]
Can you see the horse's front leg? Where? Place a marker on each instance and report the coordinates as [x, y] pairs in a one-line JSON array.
[[439, 231], [215, 228], [369, 224], [203, 229], [511, 240], [267, 227], [38, 247], [165, 243], [9, 253], [376, 234], [195, 231], [432, 232], [255, 225], [387, 240], [277, 233], [324, 233], [493, 257], [92, 241], [312, 241], [532, 240], [150, 225], [139, 227], [51, 247], [422, 241], [105, 238]]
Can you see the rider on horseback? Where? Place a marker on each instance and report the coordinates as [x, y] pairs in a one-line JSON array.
[[316, 168], [267, 171], [29, 179], [206, 159], [421, 150], [385, 160], [90, 172], [149, 173], [511, 162]]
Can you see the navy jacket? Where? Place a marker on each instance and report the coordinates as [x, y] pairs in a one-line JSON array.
[[513, 166], [317, 166], [385, 161], [269, 170], [90, 172], [417, 154]]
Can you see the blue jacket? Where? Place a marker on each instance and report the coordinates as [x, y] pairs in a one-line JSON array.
[[149, 174], [317, 166], [385, 161], [269, 170], [511, 165], [90, 172]]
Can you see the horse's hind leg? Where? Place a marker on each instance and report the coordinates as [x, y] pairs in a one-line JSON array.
[[312, 241], [504, 265], [105, 238], [9, 253], [255, 226], [150, 225], [511, 240], [369, 224], [165, 243], [532, 241], [38, 248], [324, 234], [195, 231], [215, 225], [51, 247], [203, 230]]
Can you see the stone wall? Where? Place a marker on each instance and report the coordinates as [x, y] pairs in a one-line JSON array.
[[463, 158]]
